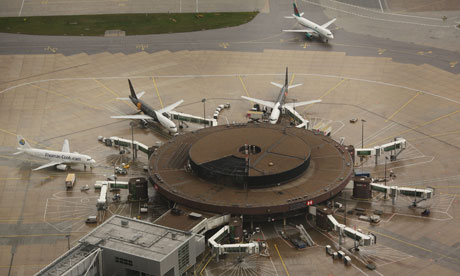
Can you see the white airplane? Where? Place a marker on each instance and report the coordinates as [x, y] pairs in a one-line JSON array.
[[160, 116], [60, 159], [313, 29], [280, 104]]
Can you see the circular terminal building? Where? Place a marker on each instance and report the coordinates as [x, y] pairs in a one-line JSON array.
[[250, 169]]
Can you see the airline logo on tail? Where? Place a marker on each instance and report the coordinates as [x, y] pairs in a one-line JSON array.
[[296, 11], [22, 142]]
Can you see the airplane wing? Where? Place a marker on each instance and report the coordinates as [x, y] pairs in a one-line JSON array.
[[128, 99], [266, 103], [170, 107], [136, 117], [312, 32], [66, 147], [140, 94], [325, 25], [277, 84], [51, 164], [292, 105], [294, 86]]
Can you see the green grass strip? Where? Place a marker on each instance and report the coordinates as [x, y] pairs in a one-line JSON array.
[[132, 24]]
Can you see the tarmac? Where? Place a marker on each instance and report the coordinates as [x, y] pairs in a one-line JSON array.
[[56, 88]]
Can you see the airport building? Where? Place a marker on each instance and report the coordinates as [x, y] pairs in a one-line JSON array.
[[125, 246]]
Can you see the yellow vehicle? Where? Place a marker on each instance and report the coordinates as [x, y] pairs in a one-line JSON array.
[[70, 180]]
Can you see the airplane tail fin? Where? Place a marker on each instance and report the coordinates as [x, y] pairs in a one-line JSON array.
[[23, 143], [286, 80], [133, 93], [296, 11]]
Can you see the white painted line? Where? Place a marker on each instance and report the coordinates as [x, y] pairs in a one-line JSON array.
[[395, 14], [235, 75], [22, 5], [380, 19], [381, 8]]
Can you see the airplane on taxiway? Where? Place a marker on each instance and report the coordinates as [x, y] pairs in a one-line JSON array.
[[312, 29]]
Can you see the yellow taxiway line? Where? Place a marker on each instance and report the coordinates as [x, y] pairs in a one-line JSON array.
[[67, 97], [327, 93], [156, 88], [414, 128], [404, 105], [281, 258]]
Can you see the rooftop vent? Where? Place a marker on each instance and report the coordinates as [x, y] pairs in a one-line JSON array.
[[124, 223]]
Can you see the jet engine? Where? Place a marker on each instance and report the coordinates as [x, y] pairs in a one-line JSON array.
[[61, 167]]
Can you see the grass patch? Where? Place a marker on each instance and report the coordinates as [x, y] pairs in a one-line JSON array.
[[132, 24]]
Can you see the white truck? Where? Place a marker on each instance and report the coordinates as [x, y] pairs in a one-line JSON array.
[[70, 180]]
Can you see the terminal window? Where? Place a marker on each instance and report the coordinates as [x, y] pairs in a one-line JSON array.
[[123, 261]]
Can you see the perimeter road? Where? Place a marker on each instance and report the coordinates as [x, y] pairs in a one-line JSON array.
[[281, 258], [404, 105]]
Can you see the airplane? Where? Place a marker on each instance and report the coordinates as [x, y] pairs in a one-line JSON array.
[[160, 116], [280, 102], [313, 29], [60, 159]]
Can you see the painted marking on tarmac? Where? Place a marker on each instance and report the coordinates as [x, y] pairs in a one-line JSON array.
[[50, 49], [224, 45], [67, 97], [142, 46], [412, 244], [22, 6], [404, 105], [244, 86], [327, 92], [156, 89], [112, 92], [414, 128], [281, 258], [422, 53], [453, 63], [381, 51], [305, 45], [380, 19]]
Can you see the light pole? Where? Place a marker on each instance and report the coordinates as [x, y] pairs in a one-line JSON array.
[[132, 138], [362, 133], [386, 158], [204, 111]]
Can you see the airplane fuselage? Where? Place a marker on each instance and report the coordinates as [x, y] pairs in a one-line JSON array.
[[323, 32], [59, 156], [276, 111], [156, 116]]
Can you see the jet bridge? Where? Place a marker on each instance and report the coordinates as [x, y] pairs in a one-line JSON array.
[[221, 249], [192, 119], [393, 191], [341, 229], [395, 148]]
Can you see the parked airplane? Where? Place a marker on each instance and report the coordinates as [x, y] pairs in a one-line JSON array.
[[160, 116], [280, 102], [60, 159], [313, 29]]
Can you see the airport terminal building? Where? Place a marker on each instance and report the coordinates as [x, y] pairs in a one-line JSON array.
[[124, 246]]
